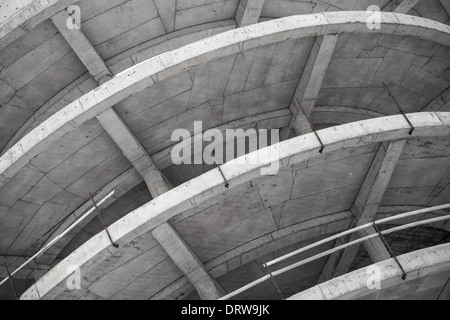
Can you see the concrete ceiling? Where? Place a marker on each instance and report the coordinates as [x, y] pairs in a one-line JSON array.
[[46, 70]]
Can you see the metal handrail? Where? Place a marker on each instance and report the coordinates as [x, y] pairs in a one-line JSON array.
[[331, 251], [51, 243], [359, 228]]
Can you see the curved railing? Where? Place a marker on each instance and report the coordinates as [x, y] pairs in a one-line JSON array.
[[339, 248]]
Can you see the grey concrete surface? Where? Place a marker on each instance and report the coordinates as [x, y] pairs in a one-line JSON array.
[[176, 62]]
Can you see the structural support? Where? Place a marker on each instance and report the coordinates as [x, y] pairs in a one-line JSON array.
[[134, 151], [201, 189], [187, 261], [178, 60], [365, 208], [82, 47], [137, 155], [110, 120], [308, 89], [248, 12], [405, 6]]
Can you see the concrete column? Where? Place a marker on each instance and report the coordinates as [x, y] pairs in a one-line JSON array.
[[187, 261], [248, 12], [365, 207], [310, 83]]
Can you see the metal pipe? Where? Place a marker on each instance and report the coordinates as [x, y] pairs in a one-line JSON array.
[[51, 243], [331, 251], [322, 146], [12, 283], [348, 232], [400, 109], [389, 249], [115, 245]]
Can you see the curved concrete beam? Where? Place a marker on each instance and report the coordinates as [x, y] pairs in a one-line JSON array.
[[208, 185], [161, 67], [29, 17], [418, 265]]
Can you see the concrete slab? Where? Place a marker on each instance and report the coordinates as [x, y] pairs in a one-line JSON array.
[[141, 34], [298, 58], [118, 20], [275, 190], [221, 216], [256, 225], [191, 14], [97, 151], [260, 65], [266, 99], [303, 209], [53, 79], [430, 85], [407, 196], [68, 145], [361, 72], [49, 214], [19, 186], [151, 283], [438, 65], [42, 192], [349, 46], [99, 176], [340, 96], [280, 61], [393, 69], [409, 172], [408, 99], [26, 69], [210, 81], [111, 283], [331, 175], [407, 44], [14, 222], [154, 96]]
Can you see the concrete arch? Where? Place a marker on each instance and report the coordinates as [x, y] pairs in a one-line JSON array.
[[167, 64], [210, 184], [427, 263]]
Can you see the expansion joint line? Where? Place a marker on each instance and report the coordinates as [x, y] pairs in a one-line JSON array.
[[388, 247], [12, 283], [115, 245], [322, 146], [400, 109]]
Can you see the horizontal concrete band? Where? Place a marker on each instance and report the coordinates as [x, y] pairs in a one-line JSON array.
[[161, 67], [208, 185], [417, 265]]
